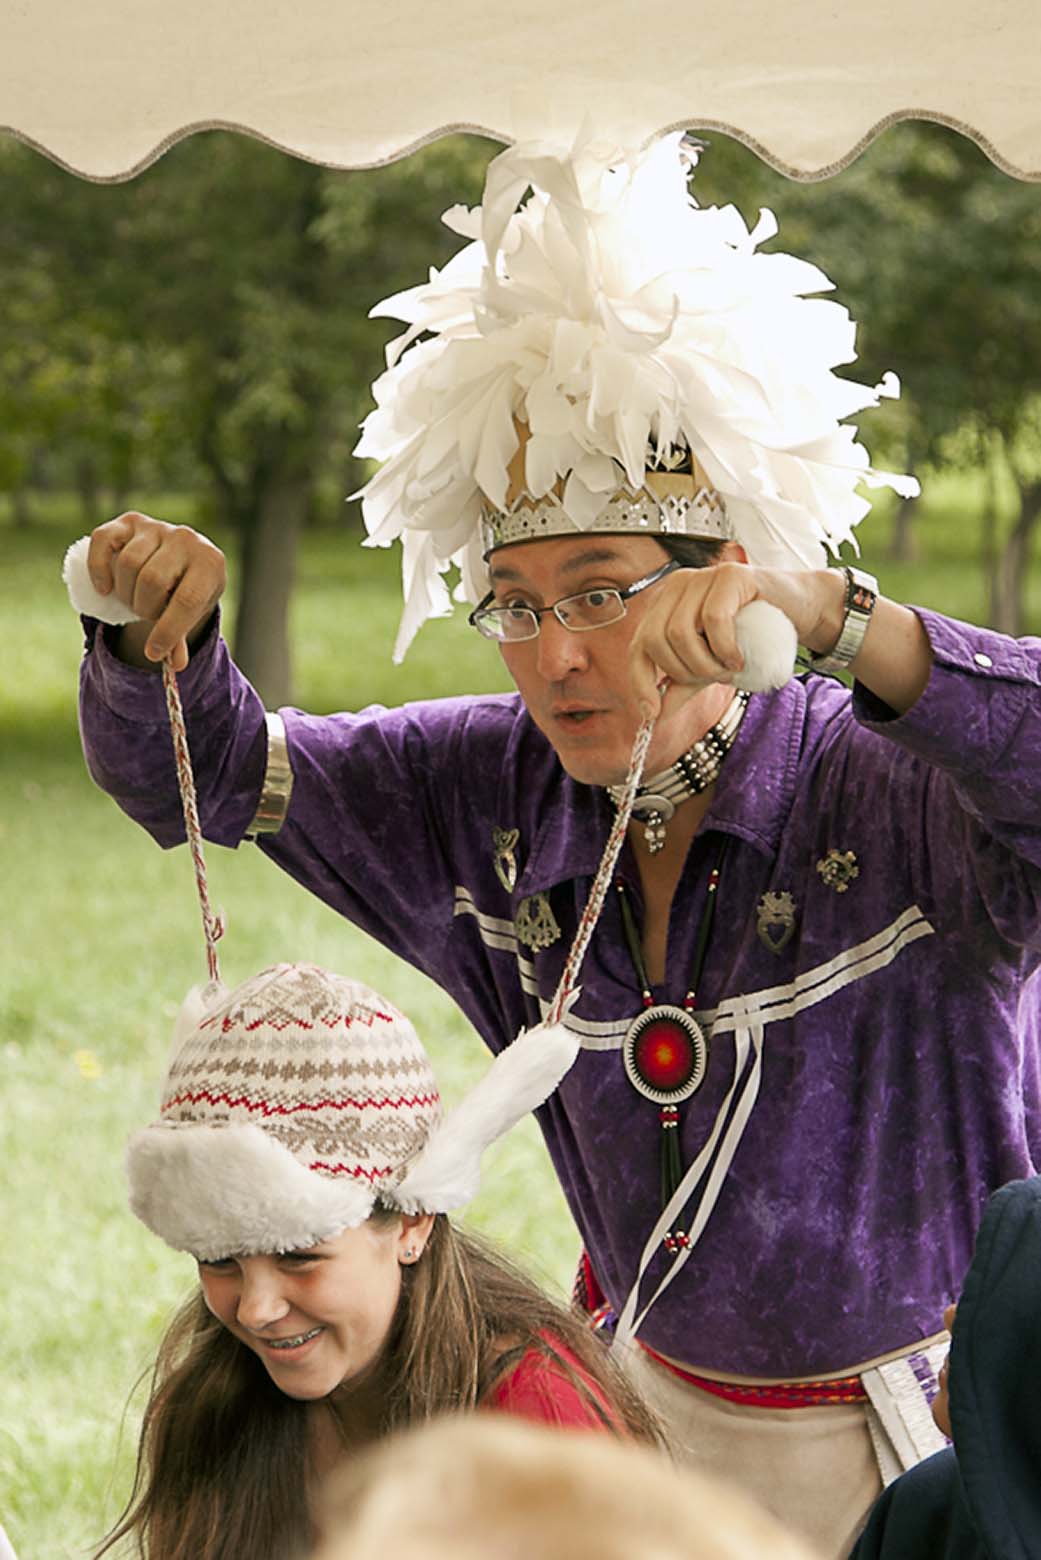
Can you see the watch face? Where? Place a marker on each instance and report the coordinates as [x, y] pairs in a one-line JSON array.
[[665, 1054]]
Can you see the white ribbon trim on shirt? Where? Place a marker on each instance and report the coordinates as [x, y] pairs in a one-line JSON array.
[[746, 1017], [770, 1005], [748, 1040]]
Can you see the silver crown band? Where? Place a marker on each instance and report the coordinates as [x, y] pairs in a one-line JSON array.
[[668, 504]]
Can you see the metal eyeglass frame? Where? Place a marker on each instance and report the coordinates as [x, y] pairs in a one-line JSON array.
[[482, 613]]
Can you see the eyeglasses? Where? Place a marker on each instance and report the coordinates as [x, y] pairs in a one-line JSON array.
[[588, 610]]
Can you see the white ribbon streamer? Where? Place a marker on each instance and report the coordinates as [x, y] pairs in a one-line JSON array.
[[748, 1040]]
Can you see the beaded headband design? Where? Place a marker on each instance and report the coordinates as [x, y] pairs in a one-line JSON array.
[[603, 328]]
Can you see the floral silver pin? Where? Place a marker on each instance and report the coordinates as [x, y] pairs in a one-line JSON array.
[[838, 869]]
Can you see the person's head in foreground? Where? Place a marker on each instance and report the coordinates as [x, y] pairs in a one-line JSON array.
[[503, 1490], [981, 1498], [606, 389], [300, 1157]]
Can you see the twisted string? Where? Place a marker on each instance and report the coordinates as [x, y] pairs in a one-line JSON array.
[[212, 924], [604, 874]]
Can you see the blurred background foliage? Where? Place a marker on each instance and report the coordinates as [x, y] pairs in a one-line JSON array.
[[195, 343], [203, 329]]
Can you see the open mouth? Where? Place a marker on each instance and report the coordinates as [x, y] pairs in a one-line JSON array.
[[291, 1345]]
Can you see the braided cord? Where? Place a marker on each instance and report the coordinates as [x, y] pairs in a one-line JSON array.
[[212, 923], [604, 874]]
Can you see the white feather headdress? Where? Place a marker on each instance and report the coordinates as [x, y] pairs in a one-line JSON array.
[[612, 315]]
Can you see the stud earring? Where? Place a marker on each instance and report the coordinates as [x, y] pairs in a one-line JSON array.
[[411, 1254]]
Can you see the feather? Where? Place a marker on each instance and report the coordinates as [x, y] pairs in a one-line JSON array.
[[600, 298]]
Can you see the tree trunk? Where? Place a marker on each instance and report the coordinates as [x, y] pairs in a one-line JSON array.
[[989, 519], [1009, 574], [267, 566], [87, 488], [21, 506], [903, 543]]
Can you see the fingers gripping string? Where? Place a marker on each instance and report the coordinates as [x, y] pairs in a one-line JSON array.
[[212, 923], [604, 874]]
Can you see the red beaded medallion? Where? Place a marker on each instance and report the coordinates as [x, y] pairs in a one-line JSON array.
[[665, 1054]]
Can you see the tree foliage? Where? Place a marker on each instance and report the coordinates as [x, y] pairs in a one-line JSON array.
[[204, 326], [938, 255]]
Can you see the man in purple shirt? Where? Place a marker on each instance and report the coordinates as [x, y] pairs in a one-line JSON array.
[[860, 960]]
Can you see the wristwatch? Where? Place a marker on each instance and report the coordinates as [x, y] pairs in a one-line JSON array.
[[861, 595]]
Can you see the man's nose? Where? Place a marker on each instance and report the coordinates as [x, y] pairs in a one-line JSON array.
[[559, 651], [261, 1301]]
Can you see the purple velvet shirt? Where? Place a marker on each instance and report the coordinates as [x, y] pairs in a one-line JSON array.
[[899, 1024]]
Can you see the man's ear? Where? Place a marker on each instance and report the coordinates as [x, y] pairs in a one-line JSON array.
[[732, 552]]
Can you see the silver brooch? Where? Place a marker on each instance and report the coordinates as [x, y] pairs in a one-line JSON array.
[[505, 861], [838, 869], [535, 924], [775, 920]]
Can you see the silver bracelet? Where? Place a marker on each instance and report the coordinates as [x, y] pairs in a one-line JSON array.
[[861, 595], [278, 781]]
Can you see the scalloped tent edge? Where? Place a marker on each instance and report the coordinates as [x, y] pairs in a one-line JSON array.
[[103, 91]]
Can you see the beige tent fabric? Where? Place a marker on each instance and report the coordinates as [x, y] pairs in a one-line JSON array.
[[105, 86]]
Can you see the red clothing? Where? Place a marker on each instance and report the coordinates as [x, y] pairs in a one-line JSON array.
[[540, 1386]]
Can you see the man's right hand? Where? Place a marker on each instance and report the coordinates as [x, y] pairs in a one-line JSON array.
[[168, 574]]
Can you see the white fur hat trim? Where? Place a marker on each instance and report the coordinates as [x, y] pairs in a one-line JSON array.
[[523, 1076], [218, 1191], [87, 600]]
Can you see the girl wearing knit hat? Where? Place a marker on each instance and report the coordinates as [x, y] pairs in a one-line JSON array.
[[301, 1157]]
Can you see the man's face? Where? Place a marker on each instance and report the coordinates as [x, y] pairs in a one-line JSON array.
[[576, 686]]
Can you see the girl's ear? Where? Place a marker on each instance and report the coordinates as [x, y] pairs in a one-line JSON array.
[[413, 1236]]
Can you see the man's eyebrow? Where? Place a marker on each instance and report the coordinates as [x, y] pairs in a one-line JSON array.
[[583, 560]]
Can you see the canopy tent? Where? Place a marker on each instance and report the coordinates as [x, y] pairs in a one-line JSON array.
[[104, 88]]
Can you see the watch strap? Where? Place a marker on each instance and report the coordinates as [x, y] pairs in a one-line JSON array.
[[861, 595]]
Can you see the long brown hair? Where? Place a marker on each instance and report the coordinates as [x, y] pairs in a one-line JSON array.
[[224, 1459]]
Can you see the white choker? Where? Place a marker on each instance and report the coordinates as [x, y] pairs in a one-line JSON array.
[[693, 772]]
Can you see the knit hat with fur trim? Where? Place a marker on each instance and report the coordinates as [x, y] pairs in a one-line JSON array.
[[296, 1101]]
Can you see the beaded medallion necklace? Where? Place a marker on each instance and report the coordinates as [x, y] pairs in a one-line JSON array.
[[665, 1050]]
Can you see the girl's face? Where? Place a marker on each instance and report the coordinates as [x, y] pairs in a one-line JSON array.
[[319, 1317]]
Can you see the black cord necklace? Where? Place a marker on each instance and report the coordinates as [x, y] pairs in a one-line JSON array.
[[665, 1051]]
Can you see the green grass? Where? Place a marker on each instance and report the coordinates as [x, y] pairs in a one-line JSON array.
[[101, 941]]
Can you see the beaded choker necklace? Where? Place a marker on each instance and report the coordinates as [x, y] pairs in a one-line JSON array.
[[693, 772]]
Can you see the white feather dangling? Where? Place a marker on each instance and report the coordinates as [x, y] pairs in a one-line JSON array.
[[768, 643], [447, 1172], [82, 594]]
